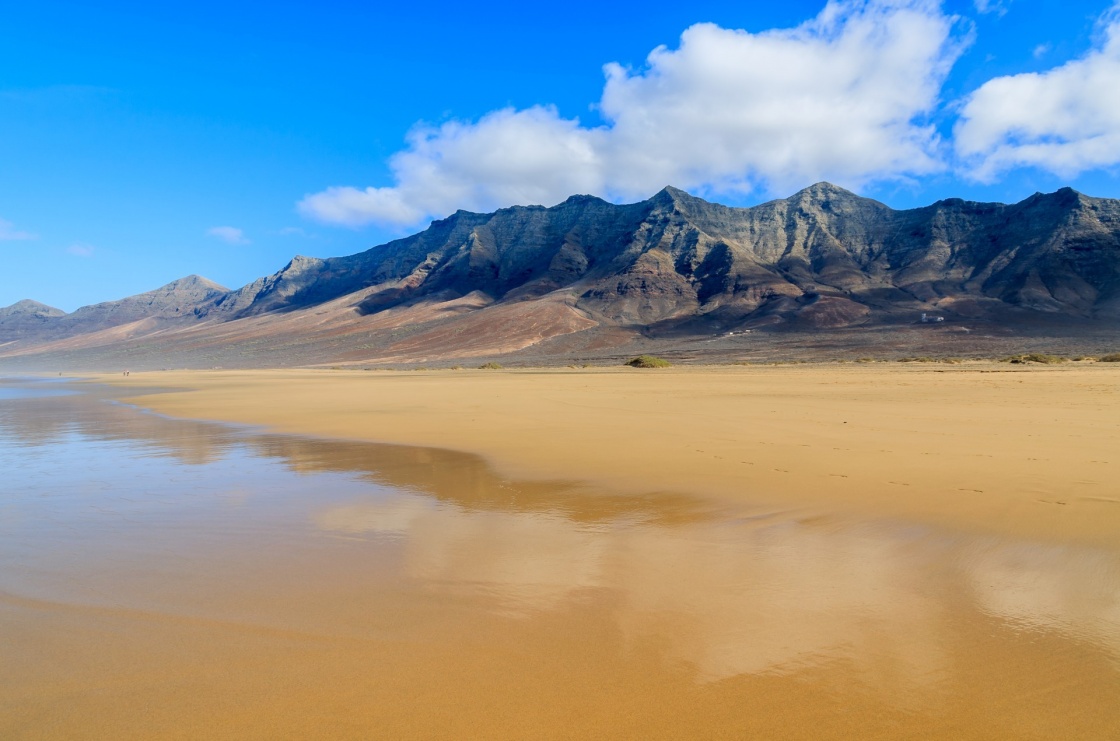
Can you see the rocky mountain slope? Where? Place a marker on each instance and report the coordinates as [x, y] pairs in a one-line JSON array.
[[671, 266], [823, 257]]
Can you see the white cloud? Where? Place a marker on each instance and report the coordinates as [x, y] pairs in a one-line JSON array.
[[80, 250], [843, 97], [1040, 51], [9, 233], [507, 157], [998, 7], [228, 234], [1065, 120]]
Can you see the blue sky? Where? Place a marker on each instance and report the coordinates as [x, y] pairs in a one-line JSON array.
[[141, 143]]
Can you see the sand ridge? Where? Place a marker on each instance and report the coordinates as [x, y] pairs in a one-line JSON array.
[[982, 446]]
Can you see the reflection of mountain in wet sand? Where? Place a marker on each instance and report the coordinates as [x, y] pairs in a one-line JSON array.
[[595, 604], [755, 593], [462, 478]]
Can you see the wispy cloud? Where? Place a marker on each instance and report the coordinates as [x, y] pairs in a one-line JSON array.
[[228, 234], [999, 7], [847, 96], [9, 233], [80, 250], [295, 231]]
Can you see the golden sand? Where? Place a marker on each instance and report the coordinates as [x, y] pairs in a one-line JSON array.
[[874, 553], [986, 446]]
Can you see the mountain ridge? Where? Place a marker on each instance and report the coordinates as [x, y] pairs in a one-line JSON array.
[[676, 264]]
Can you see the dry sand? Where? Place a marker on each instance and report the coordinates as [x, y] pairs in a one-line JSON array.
[[1025, 451]]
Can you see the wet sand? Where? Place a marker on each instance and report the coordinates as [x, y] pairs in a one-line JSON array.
[[988, 447], [164, 578]]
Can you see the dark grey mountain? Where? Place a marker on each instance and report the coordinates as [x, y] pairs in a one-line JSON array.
[[678, 265], [823, 257]]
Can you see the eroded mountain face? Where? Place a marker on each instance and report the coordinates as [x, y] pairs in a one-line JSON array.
[[823, 257]]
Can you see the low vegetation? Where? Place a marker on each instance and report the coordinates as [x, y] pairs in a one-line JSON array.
[[648, 361], [490, 366], [1034, 357], [1110, 358]]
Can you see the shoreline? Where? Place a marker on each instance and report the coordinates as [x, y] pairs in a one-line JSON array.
[[981, 447]]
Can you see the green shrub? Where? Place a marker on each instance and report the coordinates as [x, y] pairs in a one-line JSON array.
[[1034, 357], [490, 366], [1110, 358], [648, 361]]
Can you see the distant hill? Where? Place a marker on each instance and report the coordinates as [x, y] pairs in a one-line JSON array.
[[673, 266], [29, 308], [26, 319], [175, 303]]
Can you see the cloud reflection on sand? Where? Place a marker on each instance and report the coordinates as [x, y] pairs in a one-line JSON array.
[[526, 562], [726, 592], [754, 596], [1071, 590]]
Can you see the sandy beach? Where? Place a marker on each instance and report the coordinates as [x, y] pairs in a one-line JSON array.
[[827, 551], [1029, 451]]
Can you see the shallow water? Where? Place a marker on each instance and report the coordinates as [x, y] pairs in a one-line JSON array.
[[162, 578]]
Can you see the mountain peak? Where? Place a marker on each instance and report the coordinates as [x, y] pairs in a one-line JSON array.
[[27, 307], [1062, 198], [675, 194], [193, 282], [302, 262], [580, 198], [670, 197], [823, 189]]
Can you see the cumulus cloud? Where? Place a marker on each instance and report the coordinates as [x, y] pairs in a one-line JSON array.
[[507, 157], [1065, 120], [845, 96], [228, 234], [9, 233]]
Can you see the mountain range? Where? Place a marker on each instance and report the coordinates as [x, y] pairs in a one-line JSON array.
[[590, 278]]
